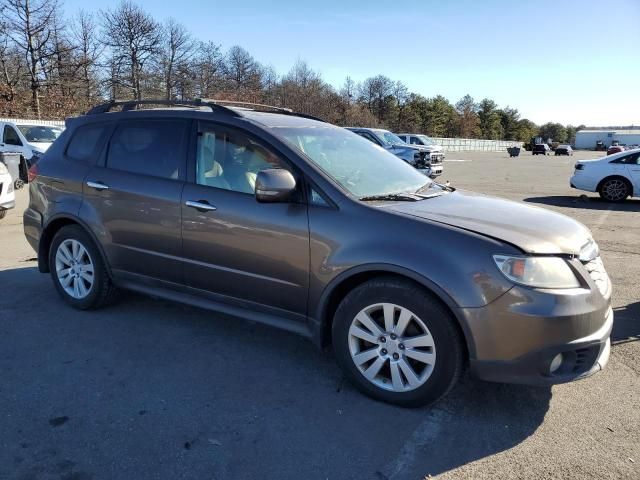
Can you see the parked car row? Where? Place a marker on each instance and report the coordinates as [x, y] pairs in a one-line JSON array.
[[276, 217], [419, 151]]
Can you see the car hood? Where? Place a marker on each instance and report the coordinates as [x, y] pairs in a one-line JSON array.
[[433, 148], [411, 148], [532, 229], [41, 146]]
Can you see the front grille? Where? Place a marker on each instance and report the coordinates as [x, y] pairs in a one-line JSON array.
[[435, 159], [598, 274], [419, 160]]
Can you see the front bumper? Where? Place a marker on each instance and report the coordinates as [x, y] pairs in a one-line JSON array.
[[432, 171], [8, 205], [515, 338], [581, 358]]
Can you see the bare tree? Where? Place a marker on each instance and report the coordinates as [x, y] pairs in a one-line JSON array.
[[177, 52], [88, 51], [209, 69], [376, 93], [11, 65], [242, 72], [270, 86], [133, 37], [29, 23]]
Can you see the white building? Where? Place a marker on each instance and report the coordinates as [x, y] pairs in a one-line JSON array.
[[587, 139]]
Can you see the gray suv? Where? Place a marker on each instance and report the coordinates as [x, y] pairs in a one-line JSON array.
[[281, 218]]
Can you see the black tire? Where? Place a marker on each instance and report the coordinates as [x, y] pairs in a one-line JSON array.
[[606, 193], [3, 213], [102, 291], [449, 347]]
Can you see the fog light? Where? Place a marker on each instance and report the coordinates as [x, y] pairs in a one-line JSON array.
[[555, 363]]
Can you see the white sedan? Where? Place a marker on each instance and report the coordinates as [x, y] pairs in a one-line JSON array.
[[615, 177]]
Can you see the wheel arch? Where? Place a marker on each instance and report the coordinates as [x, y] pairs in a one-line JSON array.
[[340, 286], [49, 231], [621, 177]]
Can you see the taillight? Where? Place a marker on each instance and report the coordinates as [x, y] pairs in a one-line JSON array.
[[33, 173]]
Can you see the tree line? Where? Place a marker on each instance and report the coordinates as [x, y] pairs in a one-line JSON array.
[[52, 67]]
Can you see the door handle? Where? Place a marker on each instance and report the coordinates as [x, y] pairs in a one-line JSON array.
[[200, 205], [98, 186]]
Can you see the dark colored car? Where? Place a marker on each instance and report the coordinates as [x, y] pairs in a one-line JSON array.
[[283, 219], [540, 149], [564, 150], [615, 149]]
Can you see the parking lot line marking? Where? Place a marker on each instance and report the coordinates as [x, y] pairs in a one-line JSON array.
[[424, 434], [603, 217], [456, 160]]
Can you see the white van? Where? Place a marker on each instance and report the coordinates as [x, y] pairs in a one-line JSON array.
[[39, 135], [13, 140]]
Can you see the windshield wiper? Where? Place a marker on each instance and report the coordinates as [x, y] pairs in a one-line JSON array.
[[446, 187], [402, 197]]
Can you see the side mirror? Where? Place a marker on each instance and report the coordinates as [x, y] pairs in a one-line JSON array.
[[274, 185]]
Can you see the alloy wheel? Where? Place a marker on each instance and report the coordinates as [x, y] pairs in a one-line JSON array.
[[614, 190], [392, 347], [74, 269]]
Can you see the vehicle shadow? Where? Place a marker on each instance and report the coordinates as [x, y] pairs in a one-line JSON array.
[[626, 325], [215, 396], [586, 202]]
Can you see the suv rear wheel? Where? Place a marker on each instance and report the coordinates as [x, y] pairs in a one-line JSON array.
[[77, 269], [397, 343]]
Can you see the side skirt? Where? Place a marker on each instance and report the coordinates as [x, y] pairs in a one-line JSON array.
[[255, 312]]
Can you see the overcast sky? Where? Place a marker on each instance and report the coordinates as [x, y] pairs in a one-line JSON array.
[[565, 61]]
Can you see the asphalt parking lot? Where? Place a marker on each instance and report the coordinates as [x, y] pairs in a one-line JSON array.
[[147, 389]]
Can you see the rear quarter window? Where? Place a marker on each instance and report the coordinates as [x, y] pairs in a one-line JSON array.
[[86, 142]]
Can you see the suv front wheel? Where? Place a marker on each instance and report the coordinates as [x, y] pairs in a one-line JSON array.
[[77, 269], [397, 343]]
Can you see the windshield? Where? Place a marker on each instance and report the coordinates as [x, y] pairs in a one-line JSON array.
[[426, 140], [39, 133], [389, 138], [359, 166]]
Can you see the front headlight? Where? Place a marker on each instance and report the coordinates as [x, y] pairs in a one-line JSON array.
[[540, 272]]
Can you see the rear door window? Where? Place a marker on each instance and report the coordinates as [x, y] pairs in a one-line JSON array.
[[150, 147], [87, 142]]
